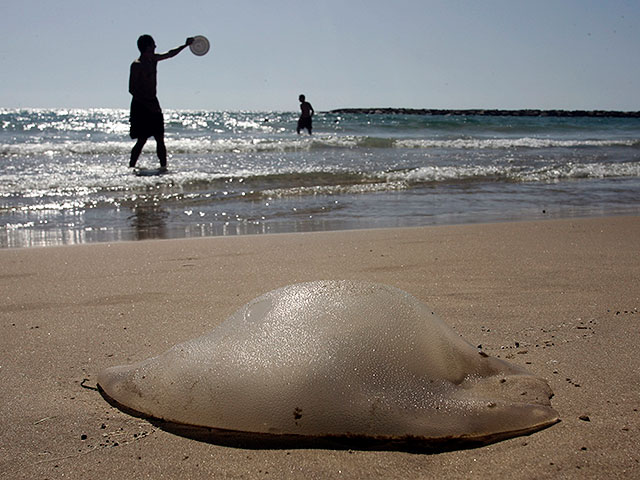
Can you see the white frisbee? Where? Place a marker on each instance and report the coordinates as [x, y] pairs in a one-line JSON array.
[[200, 45]]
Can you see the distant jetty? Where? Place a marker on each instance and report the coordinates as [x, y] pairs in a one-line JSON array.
[[490, 112]]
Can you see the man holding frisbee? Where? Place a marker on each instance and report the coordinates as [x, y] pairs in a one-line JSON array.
[[146, 115]]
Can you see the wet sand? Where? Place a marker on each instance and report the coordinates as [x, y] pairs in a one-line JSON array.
[[560, 297]]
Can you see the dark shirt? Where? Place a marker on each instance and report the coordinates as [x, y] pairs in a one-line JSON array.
[[143, 81], [306, 109]]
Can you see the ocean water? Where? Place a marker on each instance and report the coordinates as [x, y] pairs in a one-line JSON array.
[[64, 176]]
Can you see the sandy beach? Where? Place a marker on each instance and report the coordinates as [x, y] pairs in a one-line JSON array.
[[559, 297]]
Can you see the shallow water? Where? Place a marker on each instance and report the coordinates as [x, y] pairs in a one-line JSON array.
[[64, 175]]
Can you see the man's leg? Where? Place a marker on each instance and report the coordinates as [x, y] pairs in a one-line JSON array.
[[161, 150], [136, 151]]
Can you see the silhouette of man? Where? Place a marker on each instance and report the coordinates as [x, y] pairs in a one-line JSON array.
[[305, 117], [146, 115]]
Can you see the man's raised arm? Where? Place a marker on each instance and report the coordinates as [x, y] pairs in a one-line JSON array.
[[175, 51]]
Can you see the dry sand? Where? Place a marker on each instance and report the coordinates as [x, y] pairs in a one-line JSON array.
[[560, 297]]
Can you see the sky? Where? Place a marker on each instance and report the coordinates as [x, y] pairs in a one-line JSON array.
[[452, 54]]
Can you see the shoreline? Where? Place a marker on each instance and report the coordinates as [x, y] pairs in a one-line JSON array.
[[70, 237], [236, 174], [558, 297]]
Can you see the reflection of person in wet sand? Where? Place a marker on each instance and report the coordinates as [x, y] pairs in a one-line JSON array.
[[149, 221], [146, 115], [305, 117]]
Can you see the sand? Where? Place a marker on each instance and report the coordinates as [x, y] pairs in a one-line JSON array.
[[561, 297]]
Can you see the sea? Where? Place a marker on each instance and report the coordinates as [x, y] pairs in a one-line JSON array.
[[64, 175]]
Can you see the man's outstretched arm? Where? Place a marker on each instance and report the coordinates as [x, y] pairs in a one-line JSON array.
[[175, 51]]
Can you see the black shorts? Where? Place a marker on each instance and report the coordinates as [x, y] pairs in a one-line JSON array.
[[304, 122], [145, 123]]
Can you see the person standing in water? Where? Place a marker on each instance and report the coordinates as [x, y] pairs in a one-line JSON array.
[[146, 115], [305, 117]]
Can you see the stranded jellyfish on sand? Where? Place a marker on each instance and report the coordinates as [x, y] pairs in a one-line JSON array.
[[342, 360]]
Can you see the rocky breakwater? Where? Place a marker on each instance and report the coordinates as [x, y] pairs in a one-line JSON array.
[[490, 112]]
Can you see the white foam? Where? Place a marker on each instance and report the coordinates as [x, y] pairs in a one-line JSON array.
[[505, 143]]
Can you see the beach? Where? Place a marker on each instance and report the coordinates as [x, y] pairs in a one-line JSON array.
[[559, 297]]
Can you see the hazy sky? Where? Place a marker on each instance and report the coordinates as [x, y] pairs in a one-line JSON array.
[[566, 54]]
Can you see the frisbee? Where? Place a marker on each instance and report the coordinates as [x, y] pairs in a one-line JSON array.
[[200, 45]]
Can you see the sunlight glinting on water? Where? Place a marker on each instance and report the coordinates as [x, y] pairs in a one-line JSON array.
[[64, 174]]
